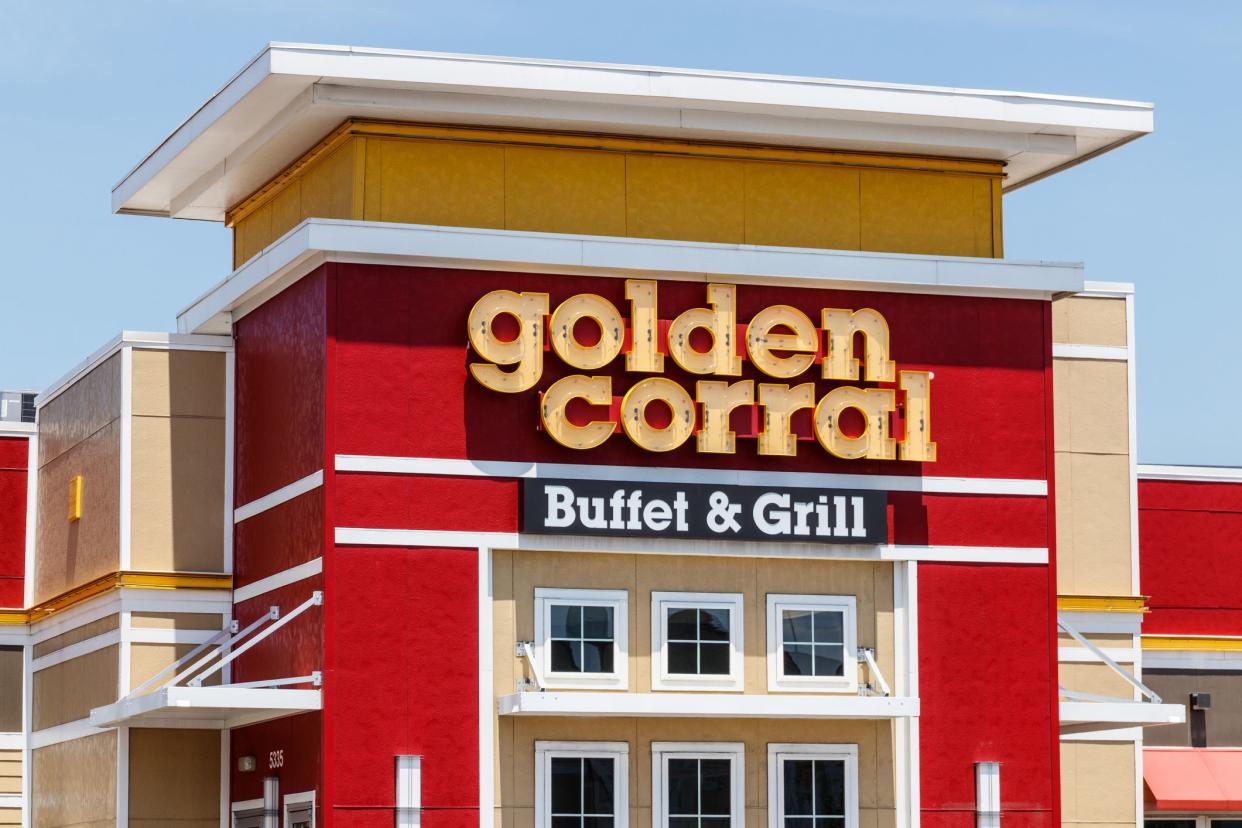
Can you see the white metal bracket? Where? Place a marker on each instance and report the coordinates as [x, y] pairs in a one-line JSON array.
[[526, 650], [1117, 668], [880, 688]]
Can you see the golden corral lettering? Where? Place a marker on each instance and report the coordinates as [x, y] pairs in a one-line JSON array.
[[781, 341]]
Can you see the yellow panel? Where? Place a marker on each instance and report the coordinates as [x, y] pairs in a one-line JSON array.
[[565, 191], [565, 183], [441, 182], [1098, 784], [802, 205], [914, 212], [327, 186], [671, 197]]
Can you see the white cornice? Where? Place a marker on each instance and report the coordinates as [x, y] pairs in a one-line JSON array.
[[291, 95], [316, 241], [1191, 474]]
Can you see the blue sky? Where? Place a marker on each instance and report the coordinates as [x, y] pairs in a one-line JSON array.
[[89, 87]]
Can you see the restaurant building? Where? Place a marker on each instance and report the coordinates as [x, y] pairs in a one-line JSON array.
[[582, 445]]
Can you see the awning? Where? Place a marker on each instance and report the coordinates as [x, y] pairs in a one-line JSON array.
[[1193, 779], [206, 707]]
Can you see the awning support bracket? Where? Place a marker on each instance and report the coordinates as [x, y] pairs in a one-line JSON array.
[[1117, 668], [867, 654]]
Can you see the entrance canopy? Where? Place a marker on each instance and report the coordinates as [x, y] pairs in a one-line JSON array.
[[1193, 779], [206, 707]]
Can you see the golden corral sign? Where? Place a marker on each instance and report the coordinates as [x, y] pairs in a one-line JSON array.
[[781, 341]]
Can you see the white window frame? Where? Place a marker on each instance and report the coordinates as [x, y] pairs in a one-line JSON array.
[[661, 679], [545, 752], [777, 680], [661, 752], [779, 752], [294, 800], [618, 599]]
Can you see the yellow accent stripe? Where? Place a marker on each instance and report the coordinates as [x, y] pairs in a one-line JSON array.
[[1200, 643], [117, 580], [1102, 603], [616, 143]]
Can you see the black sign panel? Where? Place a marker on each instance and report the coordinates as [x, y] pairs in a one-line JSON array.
[[696, 510]]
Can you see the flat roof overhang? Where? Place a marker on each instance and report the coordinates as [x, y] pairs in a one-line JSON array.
[[1089, 717], [211, 708], [699, 705], [316, 241], [291, 95]]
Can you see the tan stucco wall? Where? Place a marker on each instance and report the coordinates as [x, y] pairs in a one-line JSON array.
[[174, 778], [516, 575], [177, 509], [1098, 785], [88, 630], [74, 783], [1091, 438], [10, 772], [79, 434], [515, 779], [148, 659], [67, 691]]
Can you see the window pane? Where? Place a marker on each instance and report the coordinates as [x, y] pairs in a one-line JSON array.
[[796, 627], [714, 624], [830, 822], [714, 792], [683, 786], [566, 785], [566, 822], [566, 621], [597, 657], [1170, 823], [597, 786], [829, 626], [1226, 823], [799, 822], [597, 622], [798, 660], [566, 656], [683, 658], [683, 624], [829, 788], [799, 774], [716, 822], [714, 659], [597, 822], [829, 660], [683, 822]]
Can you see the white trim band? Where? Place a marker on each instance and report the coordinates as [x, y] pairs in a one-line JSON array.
[[316, 241], [347, 536], [734, 705], [1191, 474], [1114, 353], [719, 477], [282, 495], [272, 582]]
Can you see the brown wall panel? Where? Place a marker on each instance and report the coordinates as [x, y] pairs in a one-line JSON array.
[[10, 689], [174, 778], [71, 553], [10, 772], [66, 692], [148, 659], [89, 630], [74, 783], [80, 410], [178, 383], [1223, 721], [176, 620]]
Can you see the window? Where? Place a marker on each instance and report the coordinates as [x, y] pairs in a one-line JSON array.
[[1188, 822], [580, 637], [696, 641], [697, 785], [581, 784], [812, 643], [300, 810], [812, 786]]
